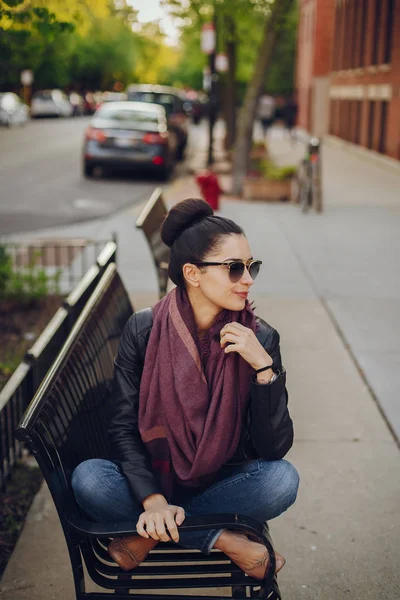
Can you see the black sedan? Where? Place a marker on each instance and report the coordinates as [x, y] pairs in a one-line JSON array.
[[129, 135]]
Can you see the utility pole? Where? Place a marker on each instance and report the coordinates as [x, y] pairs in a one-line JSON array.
[[213, 96], [209, 46]]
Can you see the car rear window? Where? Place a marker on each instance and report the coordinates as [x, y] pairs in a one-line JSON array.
[[141, 118], [42, 96], [168, 101]]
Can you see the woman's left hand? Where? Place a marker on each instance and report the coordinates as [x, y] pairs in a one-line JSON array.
[[237, 338]]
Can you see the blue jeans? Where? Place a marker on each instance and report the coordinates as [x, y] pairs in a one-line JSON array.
[[257, 488]]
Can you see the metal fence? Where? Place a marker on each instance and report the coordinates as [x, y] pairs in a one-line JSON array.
[[63, 260], [22, 385]]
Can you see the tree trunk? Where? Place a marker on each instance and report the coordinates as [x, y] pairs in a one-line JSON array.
[[272, 34], [230, 90]]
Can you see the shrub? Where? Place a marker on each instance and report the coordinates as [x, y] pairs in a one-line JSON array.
[[25, 283], [271, 170]]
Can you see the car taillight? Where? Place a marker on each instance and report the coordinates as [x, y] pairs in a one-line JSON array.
[[158, 160], [95, 134], [155, 138]]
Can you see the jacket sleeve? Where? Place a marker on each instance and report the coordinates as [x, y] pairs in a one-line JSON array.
[[125, 442], [271, 428]]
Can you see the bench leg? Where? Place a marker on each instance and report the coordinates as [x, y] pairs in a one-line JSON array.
[[238, 591], [274, 593]]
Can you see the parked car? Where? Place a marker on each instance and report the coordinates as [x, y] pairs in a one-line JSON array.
[[129, 135], [114, 97], [172, 100], [12, 110], [51, 103]]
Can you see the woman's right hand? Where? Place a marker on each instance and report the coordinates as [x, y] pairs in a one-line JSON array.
[[157, 516]]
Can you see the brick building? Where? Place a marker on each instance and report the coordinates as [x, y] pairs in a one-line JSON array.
[[348, 71]]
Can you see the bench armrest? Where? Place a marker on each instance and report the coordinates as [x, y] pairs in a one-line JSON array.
[[193, 523]]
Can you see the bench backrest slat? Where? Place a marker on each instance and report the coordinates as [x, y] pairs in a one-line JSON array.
[[150, 221]]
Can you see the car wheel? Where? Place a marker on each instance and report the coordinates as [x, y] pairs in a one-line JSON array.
[[88, 170], [164, 173]]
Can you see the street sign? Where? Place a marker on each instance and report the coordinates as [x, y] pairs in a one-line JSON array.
[[27, 77], [208, 38], [221, 62]]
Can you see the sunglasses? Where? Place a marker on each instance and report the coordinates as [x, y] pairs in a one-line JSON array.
[[236, 268]]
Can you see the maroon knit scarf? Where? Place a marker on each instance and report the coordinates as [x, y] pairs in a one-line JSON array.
[[193, 396]]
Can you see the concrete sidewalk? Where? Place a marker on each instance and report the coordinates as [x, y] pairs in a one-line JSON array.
[[341, 538]]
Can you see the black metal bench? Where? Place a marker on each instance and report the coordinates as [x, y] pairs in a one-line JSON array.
[[150, 221], [66, 423]]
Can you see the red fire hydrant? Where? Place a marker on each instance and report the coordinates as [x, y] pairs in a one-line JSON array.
[[210, 188]]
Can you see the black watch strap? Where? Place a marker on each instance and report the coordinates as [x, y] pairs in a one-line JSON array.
[[265, 368]]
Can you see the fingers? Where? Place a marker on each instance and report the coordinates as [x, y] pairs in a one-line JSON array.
[[229, 338], [234, 326], [140, 528], [180, 515], [151, 529], [160, 527], [155, 524], [171, 526], [232, 348]]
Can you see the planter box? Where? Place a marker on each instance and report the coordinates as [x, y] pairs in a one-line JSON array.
[[260, 188], [258, 153]]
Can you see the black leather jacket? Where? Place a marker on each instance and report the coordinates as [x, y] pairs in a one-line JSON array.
[[266, 433]]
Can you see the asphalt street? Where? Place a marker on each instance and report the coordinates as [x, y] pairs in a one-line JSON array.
[[41, 181]]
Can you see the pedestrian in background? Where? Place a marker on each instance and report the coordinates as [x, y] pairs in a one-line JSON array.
[[266, 112], [290, 110]]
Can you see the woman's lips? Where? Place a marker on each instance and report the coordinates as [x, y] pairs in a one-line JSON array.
[[242, 294]]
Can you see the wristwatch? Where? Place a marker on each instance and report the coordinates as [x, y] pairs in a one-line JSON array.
[[273, 378]]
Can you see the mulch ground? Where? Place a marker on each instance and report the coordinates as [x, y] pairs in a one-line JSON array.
[[20, 325]]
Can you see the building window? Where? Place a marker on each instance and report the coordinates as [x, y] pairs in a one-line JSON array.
[[364, 18], [388, 36], [358, 122], [371, 123], [352, 38], [376, 36], [382, 133]]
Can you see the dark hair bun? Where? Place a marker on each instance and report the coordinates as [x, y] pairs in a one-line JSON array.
[[183, 215]]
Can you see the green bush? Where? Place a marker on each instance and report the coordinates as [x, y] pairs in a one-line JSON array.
[[25, 283], [270, 170]]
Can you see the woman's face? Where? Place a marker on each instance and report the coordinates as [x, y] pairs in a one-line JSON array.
[[214, 282]]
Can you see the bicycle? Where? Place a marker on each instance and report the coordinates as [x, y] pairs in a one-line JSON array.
[[309, 193]]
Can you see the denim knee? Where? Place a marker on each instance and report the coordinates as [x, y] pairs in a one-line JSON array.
[[289, 482], [285, 482], [88, 479]]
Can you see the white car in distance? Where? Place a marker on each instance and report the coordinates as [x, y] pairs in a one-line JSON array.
[[51, 103]]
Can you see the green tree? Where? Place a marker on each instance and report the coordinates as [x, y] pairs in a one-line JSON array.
[[240, 25], [105, 55], [275, 20], [25, 33]]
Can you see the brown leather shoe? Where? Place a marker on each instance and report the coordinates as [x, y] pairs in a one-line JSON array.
[[251, 556], [129, 552]]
